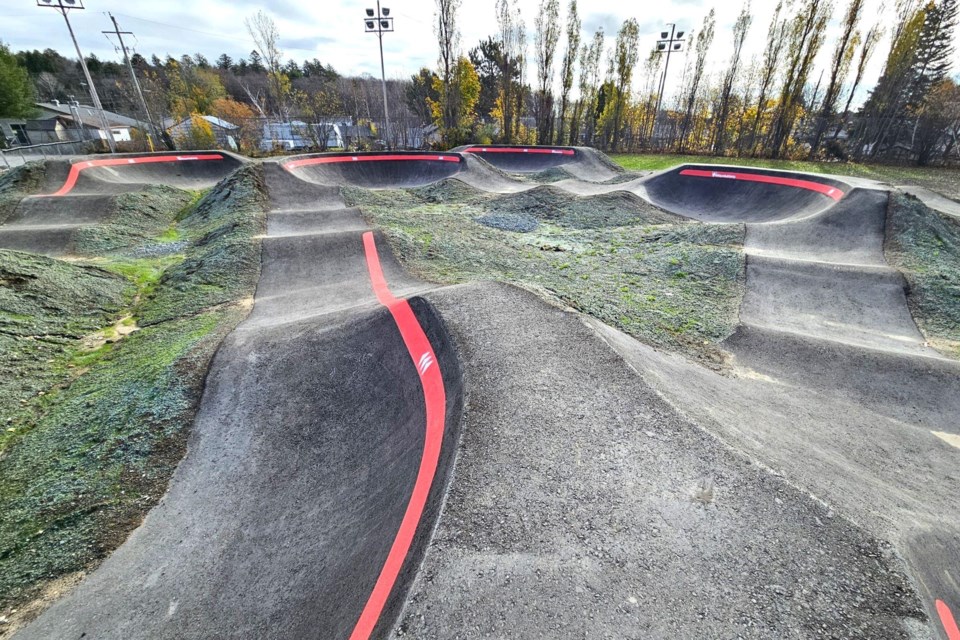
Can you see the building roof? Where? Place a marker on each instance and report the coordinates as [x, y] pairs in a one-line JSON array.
[[219, 122], [169, 123], [89, 116]]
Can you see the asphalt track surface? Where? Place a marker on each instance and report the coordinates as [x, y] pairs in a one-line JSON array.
[[601, 488]]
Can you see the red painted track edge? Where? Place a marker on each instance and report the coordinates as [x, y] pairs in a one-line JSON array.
[[293, 164], [819, 187], [948, 621], [561, 152], [434, 395], [77, 167]]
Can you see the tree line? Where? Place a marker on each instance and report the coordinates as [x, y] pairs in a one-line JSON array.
[[775, 105], [570, 88]]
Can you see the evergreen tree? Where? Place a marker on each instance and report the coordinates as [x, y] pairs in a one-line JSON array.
[[256, 62], [16, 91]]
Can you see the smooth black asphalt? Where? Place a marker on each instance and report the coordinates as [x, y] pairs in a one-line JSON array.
[[590, 499]]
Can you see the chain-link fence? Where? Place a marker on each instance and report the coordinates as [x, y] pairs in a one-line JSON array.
[[18, 155]]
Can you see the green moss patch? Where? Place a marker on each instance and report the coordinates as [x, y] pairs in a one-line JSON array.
[[924, 245], [46, 308], [668, 282], [134, 218]]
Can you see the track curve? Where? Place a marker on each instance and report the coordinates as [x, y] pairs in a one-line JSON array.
[[80, 193], [320, 458]]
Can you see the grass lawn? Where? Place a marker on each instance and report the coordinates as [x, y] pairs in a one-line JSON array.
[[945, 181]]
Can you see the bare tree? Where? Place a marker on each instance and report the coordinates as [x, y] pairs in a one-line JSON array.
[[513, 43], [704, 40], [771, 64], [843, 54], [545, 42], [265, 36], [587, 83], [568, 66], [625, 56], [804, 41], [740, 29], [867, 47], [448, 36]]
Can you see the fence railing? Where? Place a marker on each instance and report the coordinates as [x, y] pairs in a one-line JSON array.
[[45, 150]]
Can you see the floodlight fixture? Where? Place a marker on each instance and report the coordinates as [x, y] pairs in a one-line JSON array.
[[670, 42], [61, 4], [382, 24]]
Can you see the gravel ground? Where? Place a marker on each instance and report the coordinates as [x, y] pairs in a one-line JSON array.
[[584, 506]]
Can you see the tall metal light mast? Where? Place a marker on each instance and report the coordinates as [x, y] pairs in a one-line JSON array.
[[668, 43], [380, 22]]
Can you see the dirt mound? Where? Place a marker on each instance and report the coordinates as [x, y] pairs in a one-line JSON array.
[[18, 182], [95, 447], [924, 245], [448, 190], [550, 204]]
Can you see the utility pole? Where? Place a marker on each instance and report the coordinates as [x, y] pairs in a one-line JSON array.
[[666, 44], [379, 24], [78, 4], [133, 76]]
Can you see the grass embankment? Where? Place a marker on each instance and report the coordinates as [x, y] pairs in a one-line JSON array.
[[16, 183], [944, 181], [924, 245], [669, 282], [88, 458]]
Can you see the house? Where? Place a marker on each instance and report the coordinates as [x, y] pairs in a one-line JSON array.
[[419, 137], [226, 133], [89, 121], [297, 134], [71, 122], [13, 131]]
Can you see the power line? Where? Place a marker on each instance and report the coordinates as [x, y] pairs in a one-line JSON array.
[[133, 76]]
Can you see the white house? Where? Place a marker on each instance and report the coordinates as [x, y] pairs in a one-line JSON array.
[[301, 135], [225, 132]]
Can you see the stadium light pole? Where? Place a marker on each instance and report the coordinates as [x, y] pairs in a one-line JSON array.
[[63, 6], [668, 43], [380, 22]]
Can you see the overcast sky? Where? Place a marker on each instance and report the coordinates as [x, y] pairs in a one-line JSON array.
[[332, 30]]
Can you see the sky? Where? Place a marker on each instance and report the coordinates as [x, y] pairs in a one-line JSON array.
[[332, 30]]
